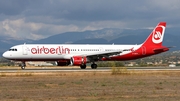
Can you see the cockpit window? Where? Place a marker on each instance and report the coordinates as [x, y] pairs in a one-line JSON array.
[[13, 49]]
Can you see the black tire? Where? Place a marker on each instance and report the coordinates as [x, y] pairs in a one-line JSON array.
[[94, 66], [83, 66]]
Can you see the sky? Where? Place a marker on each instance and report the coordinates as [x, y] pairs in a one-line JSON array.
[[37, 19]]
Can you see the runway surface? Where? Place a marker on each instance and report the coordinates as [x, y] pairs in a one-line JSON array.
[[77, 69]]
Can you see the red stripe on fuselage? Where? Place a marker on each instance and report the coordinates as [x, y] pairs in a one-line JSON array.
[[139, 53]]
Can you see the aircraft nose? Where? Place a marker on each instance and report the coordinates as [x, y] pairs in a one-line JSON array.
[[5, 55]]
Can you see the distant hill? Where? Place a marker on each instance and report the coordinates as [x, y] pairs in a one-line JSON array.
[[104, 36], [71, 37]]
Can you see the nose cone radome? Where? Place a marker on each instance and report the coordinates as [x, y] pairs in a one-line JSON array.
[[6, 55]]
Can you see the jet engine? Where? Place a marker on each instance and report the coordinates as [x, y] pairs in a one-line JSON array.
[[78, 60], [62, 62]]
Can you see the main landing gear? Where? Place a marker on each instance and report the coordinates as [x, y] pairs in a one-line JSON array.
[[93, 66], [83, 66]]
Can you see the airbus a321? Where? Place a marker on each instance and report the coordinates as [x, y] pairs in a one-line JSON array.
[[81, 54]]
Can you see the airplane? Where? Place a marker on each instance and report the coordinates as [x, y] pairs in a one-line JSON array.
[[81, 54]]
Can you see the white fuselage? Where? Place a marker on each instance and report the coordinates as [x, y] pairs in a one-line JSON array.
[[61, 51]]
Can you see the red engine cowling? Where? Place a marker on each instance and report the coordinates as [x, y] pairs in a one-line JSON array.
[[62, 62], [78, 60]]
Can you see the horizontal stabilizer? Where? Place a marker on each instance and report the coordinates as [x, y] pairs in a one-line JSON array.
[[159, 50]]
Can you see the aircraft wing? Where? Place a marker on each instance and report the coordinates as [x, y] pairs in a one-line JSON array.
[[107, 54]]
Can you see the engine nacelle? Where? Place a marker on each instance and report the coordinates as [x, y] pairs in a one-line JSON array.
[[62, 62], [78, 60]]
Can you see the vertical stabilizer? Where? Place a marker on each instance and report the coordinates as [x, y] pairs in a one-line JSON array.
[[156, 36]]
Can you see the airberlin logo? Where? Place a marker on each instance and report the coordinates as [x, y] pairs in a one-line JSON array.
[[158, 34], [45, 50]]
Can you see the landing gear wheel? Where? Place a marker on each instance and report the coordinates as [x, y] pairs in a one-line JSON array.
[[23, 65], [94, 66], [83, 66]]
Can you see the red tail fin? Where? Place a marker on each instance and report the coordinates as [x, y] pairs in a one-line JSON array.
[[156, 36]]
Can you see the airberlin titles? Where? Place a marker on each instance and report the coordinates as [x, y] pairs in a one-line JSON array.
[[46, 50]]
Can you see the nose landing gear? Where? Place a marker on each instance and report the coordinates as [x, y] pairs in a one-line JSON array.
[[23, 65]]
